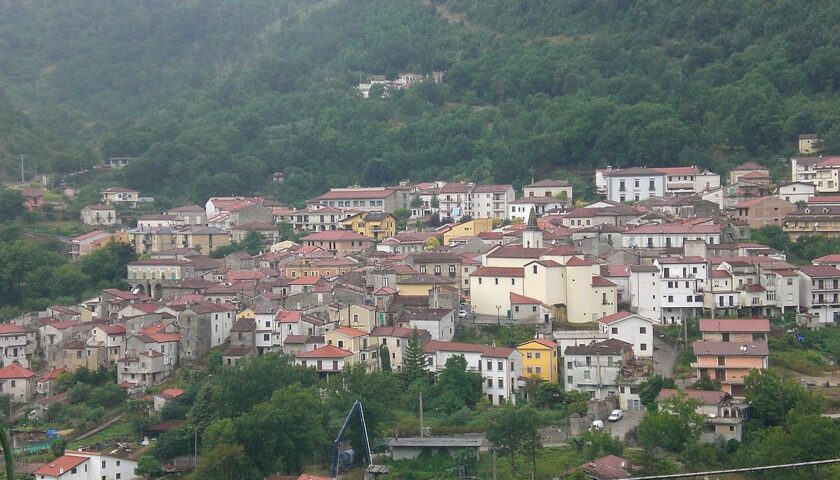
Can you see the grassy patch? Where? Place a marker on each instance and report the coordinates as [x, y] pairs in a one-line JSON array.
[[806, 362], [116, 432], [683, 367], [550, 463], [503, 336]]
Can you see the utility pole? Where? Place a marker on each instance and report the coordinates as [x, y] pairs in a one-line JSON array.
[[421, 414], [21, 168]]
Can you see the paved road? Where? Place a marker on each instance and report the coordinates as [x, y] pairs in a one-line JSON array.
[[621, 427], [664, 358]]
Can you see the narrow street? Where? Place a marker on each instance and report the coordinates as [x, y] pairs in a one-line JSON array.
[[664, 357]]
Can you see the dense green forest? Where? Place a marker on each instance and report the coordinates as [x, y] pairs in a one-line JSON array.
[[215, 95]]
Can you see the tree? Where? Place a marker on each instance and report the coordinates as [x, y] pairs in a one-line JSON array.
[[226, 462], [287, 232], [597, 443], [435, 202], [416, 202], [650, 388], [58, 446], [432, 243], [148, 467], [674, 426], [384, 358], [707, 383], [455, 382], [513, 430], [253, 242], [414, 361], [11, 204], [771, 397], [204, 409]]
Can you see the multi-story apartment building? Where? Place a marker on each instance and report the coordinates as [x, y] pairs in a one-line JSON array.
[[643, 291], [730, 362], [822, 172], [759, 212], [819, 292], [539, 359], [689, 180], [795, 192], [630, 328], [813, 220], [670, 235], [681, 285], [158, 239], [599, 368], [489, 201], [634, 184], [368, 199], [121, 196], [559, 189]]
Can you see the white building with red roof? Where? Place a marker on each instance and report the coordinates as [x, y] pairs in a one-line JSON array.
[[499, 367], [340, 243], [326, 360], [631, 328], [166, 395], [18, 382], [86, 465]]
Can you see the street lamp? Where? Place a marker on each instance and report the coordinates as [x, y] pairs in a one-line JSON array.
[[498, 317]]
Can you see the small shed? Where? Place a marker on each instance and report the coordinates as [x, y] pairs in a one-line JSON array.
[[408, 448]]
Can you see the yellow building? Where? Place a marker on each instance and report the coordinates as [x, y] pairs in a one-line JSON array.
[[539, 358], [420, 285], [247, 313], [376, 225], [468, 229]]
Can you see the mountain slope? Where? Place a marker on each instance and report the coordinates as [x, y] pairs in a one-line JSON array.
[[217, 95]]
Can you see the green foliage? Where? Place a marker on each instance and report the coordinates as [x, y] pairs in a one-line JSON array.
[[456, 387], [414, 361], [502, 335], [148, 467], [772, 398], [384, 358], [675, 426], [597, 443], [58, 447], [650, 388], [800, 251], [514, 430], [706, 383], [226, 462], [11, 204]]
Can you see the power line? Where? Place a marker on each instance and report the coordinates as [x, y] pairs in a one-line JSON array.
[[739, 470]]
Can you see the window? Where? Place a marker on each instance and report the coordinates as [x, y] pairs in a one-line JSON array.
[[497, 281], [642, 330], [636, 183], [266, 337], [341, 344], [569, 380], [528, 355], [529, 369], [643, 347], [489, 365], [513, 281], [652, 185], [103, 463], [621, 186], [539, 369], [721, 361], [501, 365], [437, 270], [500, 382], [614, 330], [586, 375], [535, 269], [452, 270], [489, 383]]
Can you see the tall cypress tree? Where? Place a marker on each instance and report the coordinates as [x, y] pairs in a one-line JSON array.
[[413, 360]]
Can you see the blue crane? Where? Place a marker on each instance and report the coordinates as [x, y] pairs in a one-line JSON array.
[[337, 443]]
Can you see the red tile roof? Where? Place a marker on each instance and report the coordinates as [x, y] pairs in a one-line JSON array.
[[516, 299], [610, 467], [679, 170], [13, 329], [517, 252], [308, 280], [350, 332], [61, 465], [579, 262], [327, 351], [541, 341], [615, 317], [821, 271], [335, 236], [53, 374], [830, 258], [172, 393], [598, 281], [749, 349], [15, 370], [746, 325], [292, 316], [498, 272]]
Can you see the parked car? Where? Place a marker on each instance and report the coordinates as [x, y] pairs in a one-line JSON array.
[[615, 416], [596, 425], [462, 313]]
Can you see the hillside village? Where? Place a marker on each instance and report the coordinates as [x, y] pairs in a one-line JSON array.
[[360, 271]]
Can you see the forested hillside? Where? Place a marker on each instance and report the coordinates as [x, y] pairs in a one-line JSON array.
[[216, 95]]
